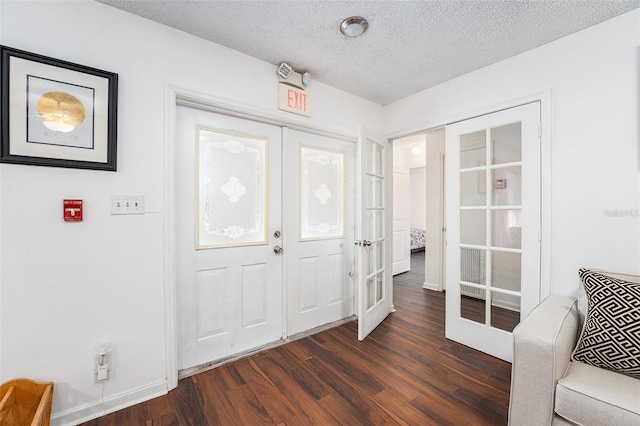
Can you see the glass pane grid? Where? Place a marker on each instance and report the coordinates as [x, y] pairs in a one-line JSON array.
[[499, 166], [506, 250], [490, 226], [499, 290], [513, 207]]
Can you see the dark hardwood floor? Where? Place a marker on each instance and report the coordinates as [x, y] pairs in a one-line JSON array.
[[404, 373]]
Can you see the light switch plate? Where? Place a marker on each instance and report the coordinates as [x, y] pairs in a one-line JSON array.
[[127, 204]]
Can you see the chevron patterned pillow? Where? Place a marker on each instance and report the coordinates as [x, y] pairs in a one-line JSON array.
[[611, 334]]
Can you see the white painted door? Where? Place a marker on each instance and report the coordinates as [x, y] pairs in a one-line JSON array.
[[493, 226], [401, 220], [375, 282], [319, 220], [228, 195]]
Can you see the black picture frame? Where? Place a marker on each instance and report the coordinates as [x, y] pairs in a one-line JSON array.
[[56, 113]]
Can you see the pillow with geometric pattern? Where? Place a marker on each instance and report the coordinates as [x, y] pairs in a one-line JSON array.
[[611, 334]]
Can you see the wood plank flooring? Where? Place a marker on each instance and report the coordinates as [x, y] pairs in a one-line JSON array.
[[404, 373]]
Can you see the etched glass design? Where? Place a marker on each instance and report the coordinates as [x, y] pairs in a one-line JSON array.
[[321, 193], [231, 189]]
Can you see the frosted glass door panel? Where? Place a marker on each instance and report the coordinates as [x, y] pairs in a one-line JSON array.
[[378, 224], [506, 270], [377, 160], [375, 191], [473, 305], [473, 227], [379, 288], [231, 189], [507, 186], [473, 149], [507, 143], [473, 188], [507, 229], [379, 256], [503, 314], [371, 293], [322, 194]]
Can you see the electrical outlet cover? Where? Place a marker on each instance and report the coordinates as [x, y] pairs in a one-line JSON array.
[[126, 204]]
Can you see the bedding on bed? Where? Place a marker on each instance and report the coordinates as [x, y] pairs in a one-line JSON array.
[[418, 239]]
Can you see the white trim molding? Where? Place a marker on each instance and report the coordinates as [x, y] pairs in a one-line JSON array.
[[93, 410]]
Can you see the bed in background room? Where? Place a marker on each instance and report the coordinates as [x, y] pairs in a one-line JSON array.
[[418, 239]]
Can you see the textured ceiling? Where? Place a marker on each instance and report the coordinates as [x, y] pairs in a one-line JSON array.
[[410, 45]]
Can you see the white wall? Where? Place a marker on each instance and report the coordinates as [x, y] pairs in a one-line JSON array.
[[66, 287], [434, 194], [593, 79]]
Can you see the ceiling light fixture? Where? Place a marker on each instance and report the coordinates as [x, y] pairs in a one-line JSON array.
[[354, 26]]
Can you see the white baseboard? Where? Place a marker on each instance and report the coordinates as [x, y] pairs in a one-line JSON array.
[[430, 286], [90, 411]]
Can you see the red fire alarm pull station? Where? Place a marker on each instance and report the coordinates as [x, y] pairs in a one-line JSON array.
[[72, 210]]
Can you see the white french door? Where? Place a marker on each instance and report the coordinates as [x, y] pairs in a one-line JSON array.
[[493, 226], [373, 230], [229, 261], [319, 203]]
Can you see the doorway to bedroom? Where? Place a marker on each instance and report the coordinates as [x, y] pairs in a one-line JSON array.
[[418, 209]]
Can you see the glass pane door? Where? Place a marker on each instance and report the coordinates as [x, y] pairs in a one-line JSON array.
[[490, 225], [493, 221], [374, 266]]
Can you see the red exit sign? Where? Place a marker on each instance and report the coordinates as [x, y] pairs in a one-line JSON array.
[[293, 100]]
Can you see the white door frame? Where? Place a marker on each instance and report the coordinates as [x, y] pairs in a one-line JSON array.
[[173, 96], [544, 97]]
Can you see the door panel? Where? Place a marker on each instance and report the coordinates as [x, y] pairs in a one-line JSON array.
[[319, 229], [401, 220], [493, 223], [374, 225], [229, 277]]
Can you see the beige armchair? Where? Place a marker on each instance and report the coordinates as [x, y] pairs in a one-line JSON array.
[[548, 388]]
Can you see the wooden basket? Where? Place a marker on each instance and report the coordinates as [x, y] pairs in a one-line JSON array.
[[25, 402]]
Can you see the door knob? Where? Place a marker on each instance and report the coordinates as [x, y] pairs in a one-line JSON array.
[[366, 243], [277, 250]]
